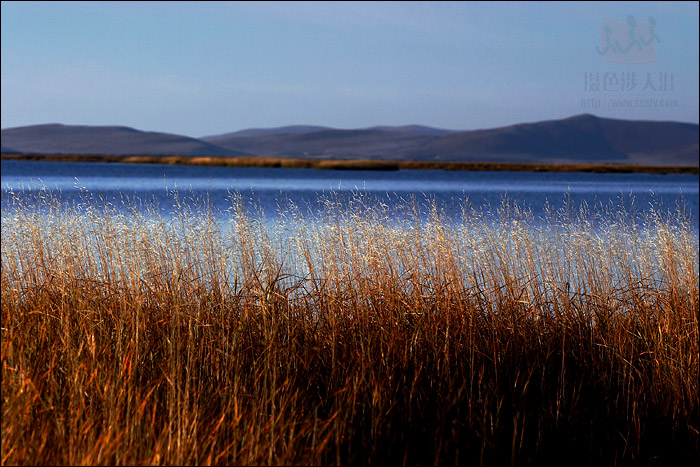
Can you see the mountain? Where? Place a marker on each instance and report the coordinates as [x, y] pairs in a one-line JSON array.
[[108, 140], [383, 142], [414, 129], [578, 139], [645, 141], [327, 143], [282, 130], [300, 129]]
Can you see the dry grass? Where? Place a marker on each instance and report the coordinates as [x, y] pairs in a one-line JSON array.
[[351, 337], [356, 164]]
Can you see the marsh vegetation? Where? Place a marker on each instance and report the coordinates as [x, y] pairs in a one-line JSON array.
[[357, 335], [358, 164]]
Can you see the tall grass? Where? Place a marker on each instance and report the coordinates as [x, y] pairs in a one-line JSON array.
[[353, 336]]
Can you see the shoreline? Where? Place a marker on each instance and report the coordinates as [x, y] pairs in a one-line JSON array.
[[355, 164]]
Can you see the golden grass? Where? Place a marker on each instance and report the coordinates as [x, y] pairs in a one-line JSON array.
[[350, 337], [356, 164]]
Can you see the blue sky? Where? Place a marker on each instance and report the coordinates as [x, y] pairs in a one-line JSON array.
[[199, 68]]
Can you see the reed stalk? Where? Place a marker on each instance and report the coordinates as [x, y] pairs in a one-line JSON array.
[[352, 336]]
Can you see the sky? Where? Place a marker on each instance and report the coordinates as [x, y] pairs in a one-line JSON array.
[[205, 68]]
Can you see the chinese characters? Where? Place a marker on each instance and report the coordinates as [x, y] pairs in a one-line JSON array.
[[628, 81]]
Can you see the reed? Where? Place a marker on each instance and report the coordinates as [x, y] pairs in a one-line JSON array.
[[356, 335], [355, 164]]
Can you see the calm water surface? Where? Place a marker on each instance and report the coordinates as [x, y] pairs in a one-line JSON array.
[[268, 187]]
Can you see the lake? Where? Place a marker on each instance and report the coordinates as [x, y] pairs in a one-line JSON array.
[[267, 188]]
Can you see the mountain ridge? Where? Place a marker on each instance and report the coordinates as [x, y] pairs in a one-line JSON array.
[[582, 138], [56, 138]]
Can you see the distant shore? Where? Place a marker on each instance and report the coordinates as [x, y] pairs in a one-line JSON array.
[[355, 164]]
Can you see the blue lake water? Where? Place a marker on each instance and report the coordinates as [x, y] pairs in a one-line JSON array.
[[268, 187]]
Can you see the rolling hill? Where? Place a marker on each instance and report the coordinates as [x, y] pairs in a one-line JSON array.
[[282, 130], [578, 139], [108, 140]]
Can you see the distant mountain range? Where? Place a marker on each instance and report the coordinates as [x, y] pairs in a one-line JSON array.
[[111, 140], [579, 139]]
